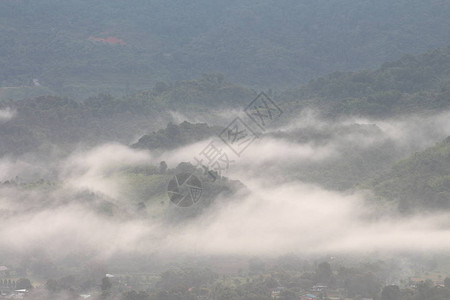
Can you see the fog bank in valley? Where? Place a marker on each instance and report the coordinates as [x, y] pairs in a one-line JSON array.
[[273, 217]]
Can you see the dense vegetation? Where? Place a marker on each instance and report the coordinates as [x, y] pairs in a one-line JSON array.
[[411, 84], [41, 122], [287, 278], [345, 171], [176, 136], [419, 182], [80, 48]]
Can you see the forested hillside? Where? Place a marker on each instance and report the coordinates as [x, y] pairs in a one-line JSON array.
[[81, 48], [176, 136], [38, 123], [419, 182], [411, 84]]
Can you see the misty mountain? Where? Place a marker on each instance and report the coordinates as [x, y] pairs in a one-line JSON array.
[[364, 151], [419, 182], [42, 122], [174, 136], [234, 150], [84, 48], [38, 124], [411, 84]]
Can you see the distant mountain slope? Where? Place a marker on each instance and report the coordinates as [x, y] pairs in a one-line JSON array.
[[419, 182], [176, 136], [38, 123], [207, 93], [410, 84], [80, 46], [42, 121]]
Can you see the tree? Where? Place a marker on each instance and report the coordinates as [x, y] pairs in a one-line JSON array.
[[133, 295], [106, 284], [447, 282], [52, 285], [226, 293], [256, 265], [160, 87], [390, 292], [162, 167], [23, 283], [324, 273]]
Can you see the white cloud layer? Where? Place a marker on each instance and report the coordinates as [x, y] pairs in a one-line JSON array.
[[271, 219]]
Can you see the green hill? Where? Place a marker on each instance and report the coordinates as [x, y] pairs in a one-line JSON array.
[[410, 84], [176, 136], [419, 182]]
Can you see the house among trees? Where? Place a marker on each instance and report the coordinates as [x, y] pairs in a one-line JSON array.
[[276, 293], [308, 297], [319, 288]]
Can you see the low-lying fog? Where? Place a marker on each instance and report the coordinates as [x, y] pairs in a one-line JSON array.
[[278, 214]]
